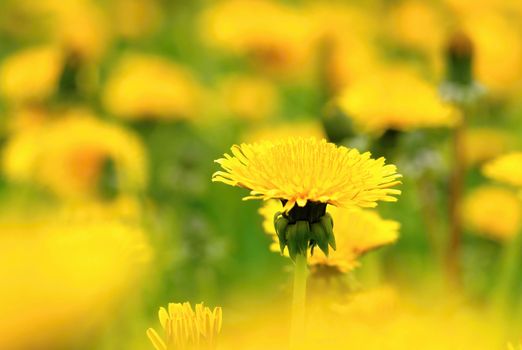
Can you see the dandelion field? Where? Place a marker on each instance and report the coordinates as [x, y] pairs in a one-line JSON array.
[[260, 174]]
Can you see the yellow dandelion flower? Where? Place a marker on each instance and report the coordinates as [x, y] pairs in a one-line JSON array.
[[510, 346], [230, 25], [67, 155], [406, 19], [493, 67], [151, 87], [187, 329], [59, 273], [248, 97], [277, 132], [31, 74], [357, 231], [483, 144], [494, 212], [301, 170], [137, 18], [406, 102], [80, 27], [506, 168], [345, 32]]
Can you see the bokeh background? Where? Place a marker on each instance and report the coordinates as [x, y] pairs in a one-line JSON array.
[[113, 111]]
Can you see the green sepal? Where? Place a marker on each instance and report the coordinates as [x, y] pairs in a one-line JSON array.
[[327, 223], [303, 236], [320, 237], [281, 225], [291, 239]]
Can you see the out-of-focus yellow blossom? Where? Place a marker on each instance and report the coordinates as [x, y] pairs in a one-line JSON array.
[[498, 69], [26, 118], [494, 212], [299, 170], [146, 86], [31, 75], [395, 99], [187, 329], [513, 347], [405, 23], [482, 144], [249, 97], [58, 274], [357, 231], [276, 132], [345, 34], [66, 156], [254, 28], [79, 26], [506, 168], [136, 18]]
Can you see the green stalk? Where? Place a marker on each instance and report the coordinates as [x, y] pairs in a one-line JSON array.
[[299, 301], [508, 273]]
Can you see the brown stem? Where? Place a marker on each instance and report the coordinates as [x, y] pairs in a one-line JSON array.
[[455, 198]]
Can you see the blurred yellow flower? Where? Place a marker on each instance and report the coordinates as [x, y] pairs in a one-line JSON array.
[[299, 170], [79, 26], [395, 99], [254, 28], [146, 86], [135, 19], [505, 168], [67, 156], [482, 144], [345, 34], [496, 68], [31, 75], [494, 212], [249, 97], [277, 132], [357, 231], [57, 274], [406, 19], [187, 329]]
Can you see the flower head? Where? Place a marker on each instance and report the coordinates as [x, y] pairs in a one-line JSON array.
[[494, 212], [483, 144], [302, 170], [395, 99], [187, 329], [506, 168], [147, 86]]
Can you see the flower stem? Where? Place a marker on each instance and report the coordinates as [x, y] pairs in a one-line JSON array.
[[455, 197], [508, 269], [299, 301]]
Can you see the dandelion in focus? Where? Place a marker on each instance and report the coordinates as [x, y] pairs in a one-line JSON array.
[[186, 328], [306, 175]]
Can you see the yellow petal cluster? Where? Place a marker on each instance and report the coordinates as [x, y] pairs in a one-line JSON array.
[[248, 97], [146, 86], [494, 212], [59, 273], [31, 74], [232, 25], [276, 132], [483, 144], [356, 231], [395, 99], [66, 155], [506, 168], [187, 329], [305, 169]]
